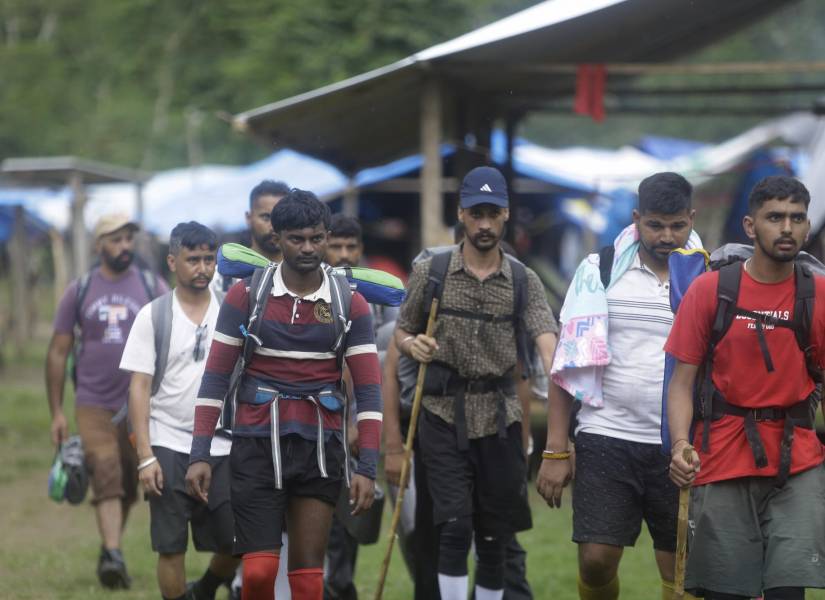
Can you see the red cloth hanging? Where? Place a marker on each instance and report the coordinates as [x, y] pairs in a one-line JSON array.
[[590, 86]]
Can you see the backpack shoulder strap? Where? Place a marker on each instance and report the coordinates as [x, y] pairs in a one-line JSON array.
[[803, 311], [260, 288], [519, 285], [150, 283], [606, 256], [162, 326], [727, 293], [435, 278], [83, 283], [520, 294], [341, 293]]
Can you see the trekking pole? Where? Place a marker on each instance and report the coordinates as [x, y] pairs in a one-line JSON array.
[[681, 533], [405, 466]]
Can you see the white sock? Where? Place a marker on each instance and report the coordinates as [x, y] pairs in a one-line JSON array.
[[483, 593], [453, 588]]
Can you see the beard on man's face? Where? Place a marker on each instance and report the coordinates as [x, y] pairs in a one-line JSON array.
[[774, 250], [659, 252], [121, 262], [303, 263], [484, 241], [267, 242]]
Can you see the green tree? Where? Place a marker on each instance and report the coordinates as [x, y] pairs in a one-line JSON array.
[[143, 82]]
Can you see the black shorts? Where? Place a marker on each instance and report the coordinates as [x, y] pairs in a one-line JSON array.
[[173, 511], [618, 483], [487, 482], [259, 507]]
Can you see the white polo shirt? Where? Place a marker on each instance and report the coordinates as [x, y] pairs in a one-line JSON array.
[[172, 409], [639, 314]]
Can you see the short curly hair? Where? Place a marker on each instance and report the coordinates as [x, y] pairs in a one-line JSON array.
[[299, 209]]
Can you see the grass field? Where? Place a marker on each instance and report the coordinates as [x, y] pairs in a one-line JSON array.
[[50, 550]]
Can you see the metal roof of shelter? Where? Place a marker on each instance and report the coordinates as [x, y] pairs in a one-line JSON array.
[[59, 171], [510, 66], [56, 171]]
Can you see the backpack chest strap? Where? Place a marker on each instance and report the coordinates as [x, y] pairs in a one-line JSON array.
[[485, 317], [761, 321]]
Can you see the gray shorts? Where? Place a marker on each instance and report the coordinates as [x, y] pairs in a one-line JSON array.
[[746, 536], [172, 513]]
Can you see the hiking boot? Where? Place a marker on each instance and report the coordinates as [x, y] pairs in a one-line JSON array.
[[111, 570]]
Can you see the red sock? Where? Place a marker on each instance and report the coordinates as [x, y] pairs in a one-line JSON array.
[[259, 572], [307, 584]]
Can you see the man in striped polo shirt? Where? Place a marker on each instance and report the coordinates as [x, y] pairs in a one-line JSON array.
[[279, 465], [621, 473]]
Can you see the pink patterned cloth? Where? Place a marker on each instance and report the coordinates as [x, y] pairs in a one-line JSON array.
[[582, 351]]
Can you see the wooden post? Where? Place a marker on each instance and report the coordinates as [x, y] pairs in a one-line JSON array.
[[61, 274], [143, 241], [433, 230], [349, 204], [140, 215], [80, 238], [510, 176], [19, 285]]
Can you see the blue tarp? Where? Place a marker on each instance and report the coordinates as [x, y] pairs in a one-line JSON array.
[[761, 164], [35, 227], [397, 168], [667, 148]]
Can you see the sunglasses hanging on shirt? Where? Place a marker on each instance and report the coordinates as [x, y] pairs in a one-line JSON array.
[[200, 343]]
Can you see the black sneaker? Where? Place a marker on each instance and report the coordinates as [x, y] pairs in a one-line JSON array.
[[111, 570]]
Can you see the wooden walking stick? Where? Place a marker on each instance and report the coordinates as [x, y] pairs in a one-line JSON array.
[[681, 533], [405, 466]]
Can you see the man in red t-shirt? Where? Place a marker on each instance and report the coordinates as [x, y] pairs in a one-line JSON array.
[[749, 533]]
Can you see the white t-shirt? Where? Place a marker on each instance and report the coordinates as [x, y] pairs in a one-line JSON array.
[[638, 308], [172, 409]]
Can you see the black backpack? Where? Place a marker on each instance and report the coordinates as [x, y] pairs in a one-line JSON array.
[[709, 405], [260, 289], [606, 256], [435, 287]]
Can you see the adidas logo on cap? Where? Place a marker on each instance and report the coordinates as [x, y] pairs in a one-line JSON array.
[[483, 185]]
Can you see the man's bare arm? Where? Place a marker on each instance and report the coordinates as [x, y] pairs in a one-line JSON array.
[[679, 418], [59, 348], [391, 394], [140, 388]]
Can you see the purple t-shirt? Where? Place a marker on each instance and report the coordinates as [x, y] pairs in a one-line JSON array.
[[109, 309]]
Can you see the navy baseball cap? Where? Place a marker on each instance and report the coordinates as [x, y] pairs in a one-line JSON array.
[[483, 185]]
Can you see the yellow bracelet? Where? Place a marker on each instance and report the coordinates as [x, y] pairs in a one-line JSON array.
[[550, 455]]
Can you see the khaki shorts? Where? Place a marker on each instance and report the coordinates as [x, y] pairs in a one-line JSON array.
[[746, 536], [110, 457]]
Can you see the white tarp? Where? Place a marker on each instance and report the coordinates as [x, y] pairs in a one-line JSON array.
[[608, 170]]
